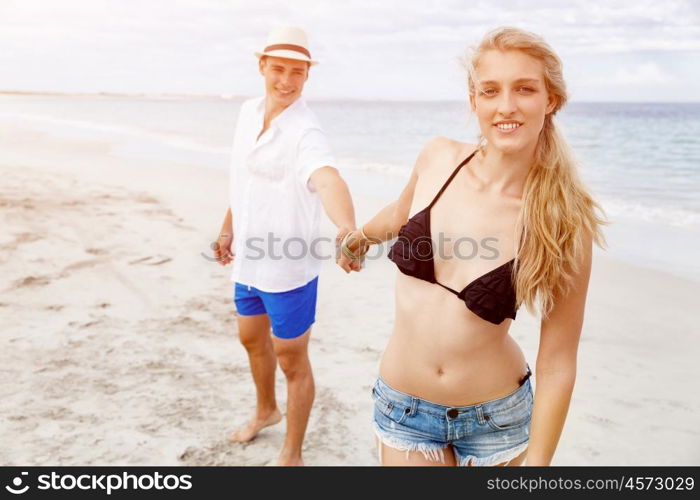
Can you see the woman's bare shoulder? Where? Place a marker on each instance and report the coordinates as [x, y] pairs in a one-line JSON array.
[[443, 153]]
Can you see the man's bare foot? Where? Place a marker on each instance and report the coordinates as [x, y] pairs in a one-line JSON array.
[[289, 462], [252, 428]]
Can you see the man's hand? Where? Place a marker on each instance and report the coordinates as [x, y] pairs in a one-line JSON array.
[[343, 260], [222, 249]]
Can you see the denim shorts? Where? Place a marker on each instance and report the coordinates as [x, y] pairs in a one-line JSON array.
[[487, 433], [291, 313]]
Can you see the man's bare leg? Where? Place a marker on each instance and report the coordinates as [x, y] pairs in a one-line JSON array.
[[293, 357], [254, 334]]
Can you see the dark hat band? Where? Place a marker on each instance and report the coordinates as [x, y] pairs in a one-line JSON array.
[[288, 46]]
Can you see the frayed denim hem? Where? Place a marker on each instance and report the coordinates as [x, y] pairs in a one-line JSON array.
[[496, 458], [436, 453], [431, 451]]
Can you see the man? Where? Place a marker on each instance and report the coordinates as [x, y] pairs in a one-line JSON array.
[[281, 175]]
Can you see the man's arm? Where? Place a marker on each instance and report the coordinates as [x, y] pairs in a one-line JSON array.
[[335, 197], [336, 201]]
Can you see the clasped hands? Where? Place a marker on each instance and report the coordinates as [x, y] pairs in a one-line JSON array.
[[350, 249]]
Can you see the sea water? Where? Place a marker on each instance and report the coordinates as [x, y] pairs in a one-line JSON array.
[[641, 161]]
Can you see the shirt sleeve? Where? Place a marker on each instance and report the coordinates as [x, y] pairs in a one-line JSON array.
[[314, 153]]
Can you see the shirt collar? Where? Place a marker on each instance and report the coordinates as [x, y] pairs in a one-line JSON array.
[[284, 117]]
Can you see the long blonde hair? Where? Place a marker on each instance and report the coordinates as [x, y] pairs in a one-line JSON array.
[[557, 207]]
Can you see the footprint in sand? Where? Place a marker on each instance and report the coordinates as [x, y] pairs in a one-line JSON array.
[[32, 281], [152, 260], [96, 251]]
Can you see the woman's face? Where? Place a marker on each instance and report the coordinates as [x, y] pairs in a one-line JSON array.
[[510, 100]]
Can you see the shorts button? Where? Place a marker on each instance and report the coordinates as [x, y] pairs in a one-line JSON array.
[[486, 417], [452, 413]]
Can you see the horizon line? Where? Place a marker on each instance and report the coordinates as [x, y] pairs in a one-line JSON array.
[[227, 96]]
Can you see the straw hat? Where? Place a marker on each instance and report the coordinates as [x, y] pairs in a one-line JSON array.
[[287, 42]]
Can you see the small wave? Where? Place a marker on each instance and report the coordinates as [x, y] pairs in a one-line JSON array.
[[123, 130], [663, 214], [389, 169]]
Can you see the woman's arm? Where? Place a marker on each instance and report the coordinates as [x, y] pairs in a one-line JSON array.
[[556, 363], [386, 223]]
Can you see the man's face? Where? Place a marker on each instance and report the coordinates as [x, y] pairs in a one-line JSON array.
[[284, 78]]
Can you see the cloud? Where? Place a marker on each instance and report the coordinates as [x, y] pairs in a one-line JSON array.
[[638, 75], [643, 74], [367, 48]]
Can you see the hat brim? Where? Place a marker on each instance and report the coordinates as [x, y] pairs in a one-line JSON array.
[[286, 54]]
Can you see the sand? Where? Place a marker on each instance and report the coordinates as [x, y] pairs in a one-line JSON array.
[[118, 340]]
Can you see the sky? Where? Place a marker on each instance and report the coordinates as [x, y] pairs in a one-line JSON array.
[[626, 50]]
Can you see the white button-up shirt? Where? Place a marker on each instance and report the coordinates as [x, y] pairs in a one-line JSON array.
[[276, 214]]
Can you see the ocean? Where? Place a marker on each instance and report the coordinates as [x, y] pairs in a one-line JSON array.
[[641, 161]]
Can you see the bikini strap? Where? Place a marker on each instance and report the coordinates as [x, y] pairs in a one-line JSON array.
[[447, 288], [444, 186], [527, 375]]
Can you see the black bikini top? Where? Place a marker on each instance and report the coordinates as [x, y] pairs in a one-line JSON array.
[[490, 296]]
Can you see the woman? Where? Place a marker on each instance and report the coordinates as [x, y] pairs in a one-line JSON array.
[[509, 222]]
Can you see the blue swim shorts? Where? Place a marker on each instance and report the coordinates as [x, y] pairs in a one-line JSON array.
[[291, 313], [487, 433]]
